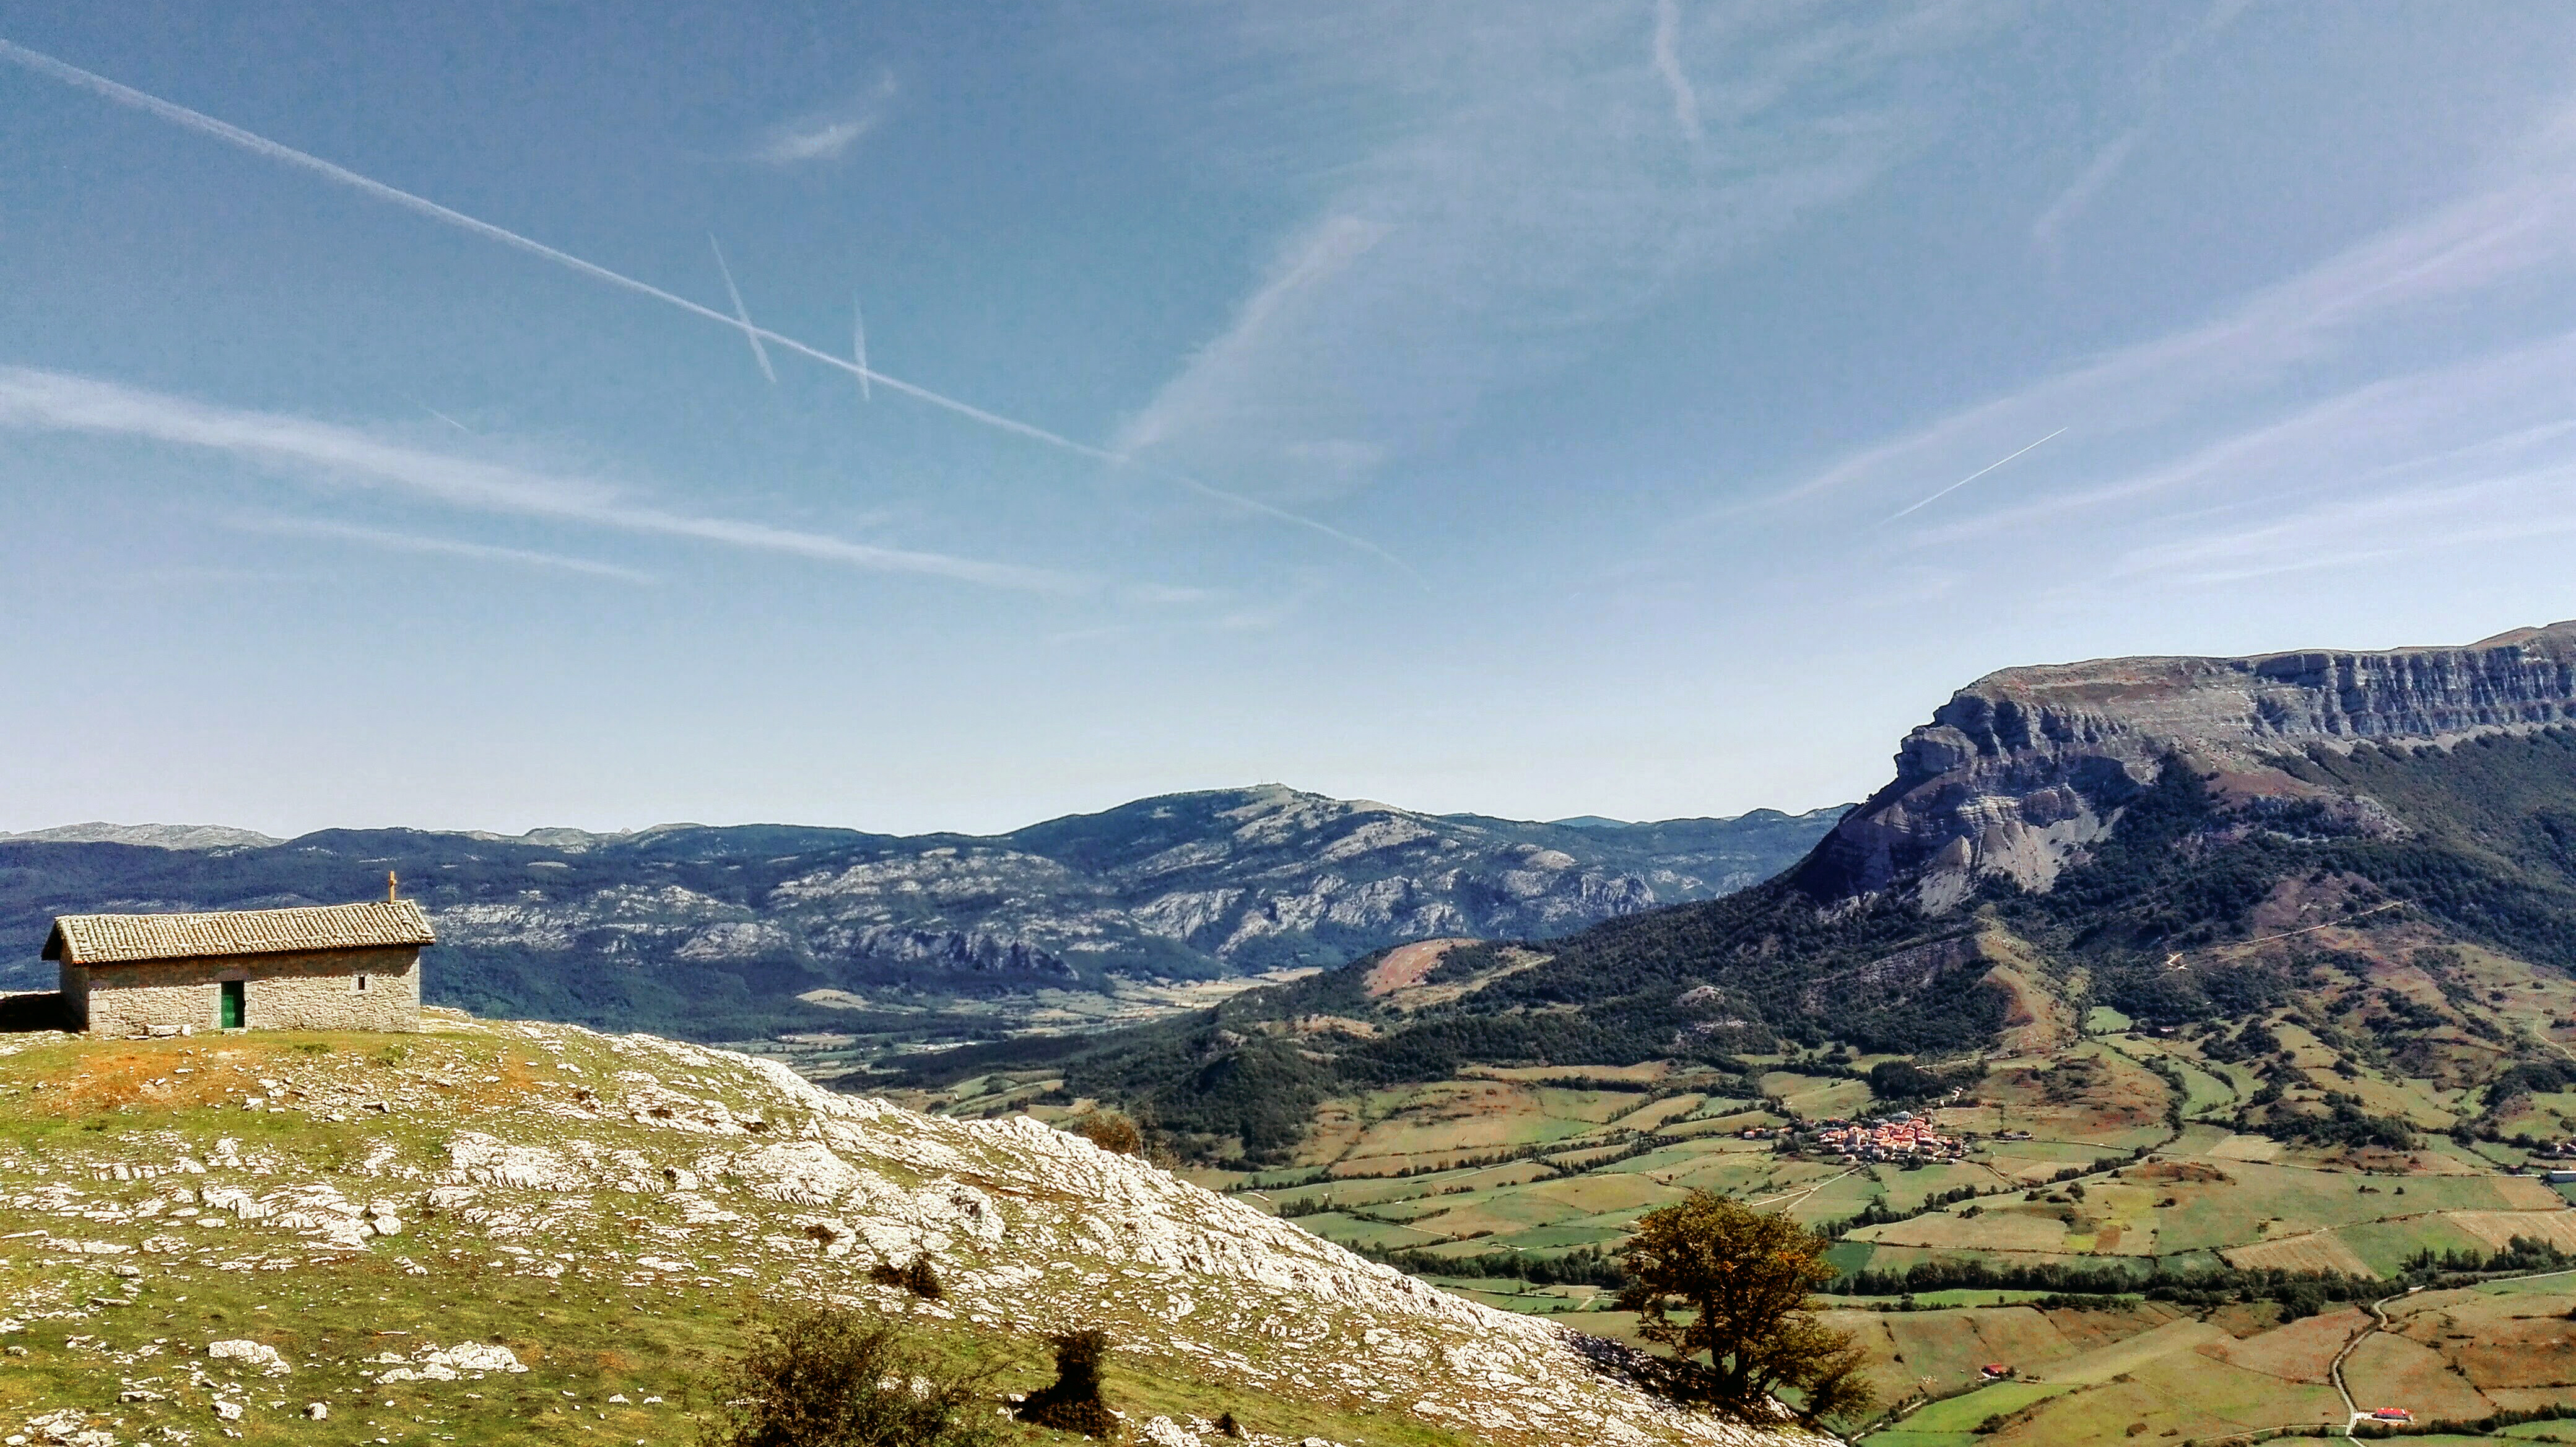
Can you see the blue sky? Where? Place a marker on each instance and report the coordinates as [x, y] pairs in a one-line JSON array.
[[1533, 408]]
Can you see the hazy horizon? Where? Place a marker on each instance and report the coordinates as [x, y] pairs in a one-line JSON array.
[[1576, 821]]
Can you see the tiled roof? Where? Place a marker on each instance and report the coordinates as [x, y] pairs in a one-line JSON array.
[[111, 939]]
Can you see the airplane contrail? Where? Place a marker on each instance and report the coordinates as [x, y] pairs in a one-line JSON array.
[[750, 333], [443, 417], [859, 344], [1971, 477], [204, 124]]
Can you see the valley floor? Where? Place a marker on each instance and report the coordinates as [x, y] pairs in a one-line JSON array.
[[2110, 1149]]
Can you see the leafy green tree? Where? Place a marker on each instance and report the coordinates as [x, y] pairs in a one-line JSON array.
[[1725, 1289], [823, 1377], [1903, 1080]]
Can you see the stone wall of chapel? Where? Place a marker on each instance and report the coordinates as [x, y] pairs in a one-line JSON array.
[[319, 990]]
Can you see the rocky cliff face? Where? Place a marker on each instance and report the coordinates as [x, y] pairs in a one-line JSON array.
[[651, 928], [2023, 769]]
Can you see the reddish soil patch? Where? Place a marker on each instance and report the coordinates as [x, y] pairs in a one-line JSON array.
[[2299, 1352], [1407, 965], [2532, 1352], [2034, 1021]]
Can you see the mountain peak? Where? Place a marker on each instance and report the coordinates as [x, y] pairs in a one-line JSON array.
[[2025, 768]]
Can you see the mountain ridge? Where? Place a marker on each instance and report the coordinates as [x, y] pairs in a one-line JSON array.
[[2052, 860], [729, 930]]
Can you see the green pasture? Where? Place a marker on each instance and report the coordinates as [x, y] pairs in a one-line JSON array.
[[2386, 1245], [1963, 1413], [1653, 1113], [1816, 1097], [2231, 1213]]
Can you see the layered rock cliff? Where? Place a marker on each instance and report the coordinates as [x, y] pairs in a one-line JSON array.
[[2022, 770]]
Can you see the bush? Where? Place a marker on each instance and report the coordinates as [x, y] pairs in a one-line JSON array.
[[827, 1378], [1902, 1080], [1073, 1403], [918, 1278], [1111, 1132]]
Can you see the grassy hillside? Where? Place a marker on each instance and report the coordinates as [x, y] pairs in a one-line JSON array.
[[382, 1213]]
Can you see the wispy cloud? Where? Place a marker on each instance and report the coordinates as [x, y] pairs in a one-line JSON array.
[[433, 546], [2519, 223], [176, 114], [827, 135], [33, 400], [1222, 373], [2416, 443], [1519, 186], [1667, 52], [2513, 508], [2047, 232]]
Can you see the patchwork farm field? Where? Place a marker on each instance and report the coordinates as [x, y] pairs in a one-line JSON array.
[[2119, 1158]]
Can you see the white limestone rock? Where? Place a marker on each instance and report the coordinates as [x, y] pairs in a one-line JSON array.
[[251, 1354]]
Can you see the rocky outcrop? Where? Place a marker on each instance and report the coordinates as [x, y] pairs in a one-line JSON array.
[[680, 1179], [972, 950], [2020, 771]]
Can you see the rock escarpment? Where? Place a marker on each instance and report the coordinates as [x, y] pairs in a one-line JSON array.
[[2022, 770]]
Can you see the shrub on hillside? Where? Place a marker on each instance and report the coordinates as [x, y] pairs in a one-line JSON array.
[[1903, 1080], [1111, 1132], [1072, 1402], [824, 1377], [920, 1278]]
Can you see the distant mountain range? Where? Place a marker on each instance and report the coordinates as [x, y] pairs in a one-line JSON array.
[[727, 932], [2179, 839]]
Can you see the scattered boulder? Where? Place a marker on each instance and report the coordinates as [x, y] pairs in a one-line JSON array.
[[250, 1353]]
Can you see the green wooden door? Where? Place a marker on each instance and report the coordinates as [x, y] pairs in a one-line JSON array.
[[230, 1015]]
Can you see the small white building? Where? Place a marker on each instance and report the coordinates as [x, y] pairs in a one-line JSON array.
[[330, 967]]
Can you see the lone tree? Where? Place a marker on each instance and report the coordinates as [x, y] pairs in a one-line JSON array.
[[1725, 1288], [826, 1378]]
